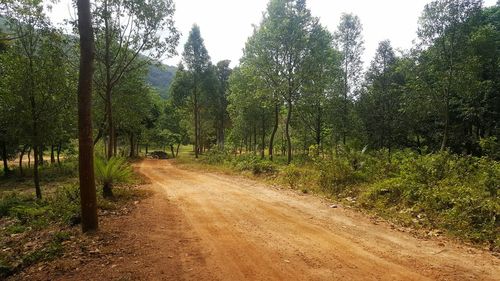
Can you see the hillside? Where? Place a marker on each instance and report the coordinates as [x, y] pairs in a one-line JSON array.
[[160, 78]]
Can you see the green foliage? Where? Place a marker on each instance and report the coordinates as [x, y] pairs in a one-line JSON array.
[[215, 157], [112, 171], [490, 147], [456, 193], [253, 164]]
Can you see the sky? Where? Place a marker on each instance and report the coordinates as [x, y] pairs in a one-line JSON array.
[[226, 24]]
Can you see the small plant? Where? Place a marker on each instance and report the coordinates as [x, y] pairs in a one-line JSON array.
[[110, 172]]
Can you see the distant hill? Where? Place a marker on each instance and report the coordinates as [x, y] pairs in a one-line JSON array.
[[160, 78]]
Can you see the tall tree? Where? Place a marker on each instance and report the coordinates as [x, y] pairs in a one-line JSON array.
[[198, 64], [85, 141], [278, 50], [125, 30], [442, 27], [349, 42]]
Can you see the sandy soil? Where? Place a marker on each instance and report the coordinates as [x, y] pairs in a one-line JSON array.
[[204, 226]]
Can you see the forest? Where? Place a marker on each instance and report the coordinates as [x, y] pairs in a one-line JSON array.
[[412, 136]]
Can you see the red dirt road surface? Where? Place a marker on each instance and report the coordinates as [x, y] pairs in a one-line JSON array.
[[204, 226]]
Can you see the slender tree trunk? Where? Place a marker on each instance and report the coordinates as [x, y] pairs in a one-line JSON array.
[[196, 136], [172, 150], [52, 156], [147, 146], [254, 139], [446, 124], [287, 131], [29, 157], [4, 158], [132, 146], [59, 147], [111, 131], [275, 129], [21, 155], [115, 143], [85, 142], [40, 156], [36, 176], [263, 143], [177, 150]]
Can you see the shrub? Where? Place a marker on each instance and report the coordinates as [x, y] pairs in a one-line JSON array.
[[215, 157], [253, 164], [109, 172]]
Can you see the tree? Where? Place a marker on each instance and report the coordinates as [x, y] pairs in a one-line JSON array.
[[442, 28], [278, 50], [148, 29], [223, 73], [198, 65], [38, 78], [85, 140], [381, 101], [350, 43]]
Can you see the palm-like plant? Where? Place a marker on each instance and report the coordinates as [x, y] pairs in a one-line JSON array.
[[109, 172]]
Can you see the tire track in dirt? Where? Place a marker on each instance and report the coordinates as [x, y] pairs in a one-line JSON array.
[[249, 231]]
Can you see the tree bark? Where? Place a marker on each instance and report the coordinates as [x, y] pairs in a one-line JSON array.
[[275, 129], [86, 145], [132, 146], [59, 148], [52, 156], [29, 157], [40, 156], [36, 176], [196, 136], [4, 158], [287, 132], [263, 143], [172, 150], [21, 155]]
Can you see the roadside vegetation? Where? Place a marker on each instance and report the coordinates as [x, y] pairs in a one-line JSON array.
[[34, 231]]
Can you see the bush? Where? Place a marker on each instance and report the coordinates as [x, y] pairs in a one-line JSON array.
[[253, 164], [112, 171], [455, 193], [215, 157]]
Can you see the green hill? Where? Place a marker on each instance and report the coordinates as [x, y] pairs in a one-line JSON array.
[[160, 77]]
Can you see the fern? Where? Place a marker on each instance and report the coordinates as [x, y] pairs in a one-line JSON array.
[[112, 171]]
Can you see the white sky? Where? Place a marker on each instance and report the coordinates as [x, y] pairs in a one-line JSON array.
[[226, 24]]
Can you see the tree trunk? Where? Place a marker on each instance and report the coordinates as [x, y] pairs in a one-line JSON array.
[[40, 156], [446, 124], [115, 143], [287, 131], [196, 136], [107, 190], [147, 145], [275, 129], [29, 157], [172, 150], [4, 158], [263, 143], [36, 176], [52, 156], [85, 142], [177, 150], [254, 140], [132, 146], [21, 155], [59, 147]]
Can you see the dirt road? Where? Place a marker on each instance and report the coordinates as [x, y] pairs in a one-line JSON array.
[[203, 226]]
